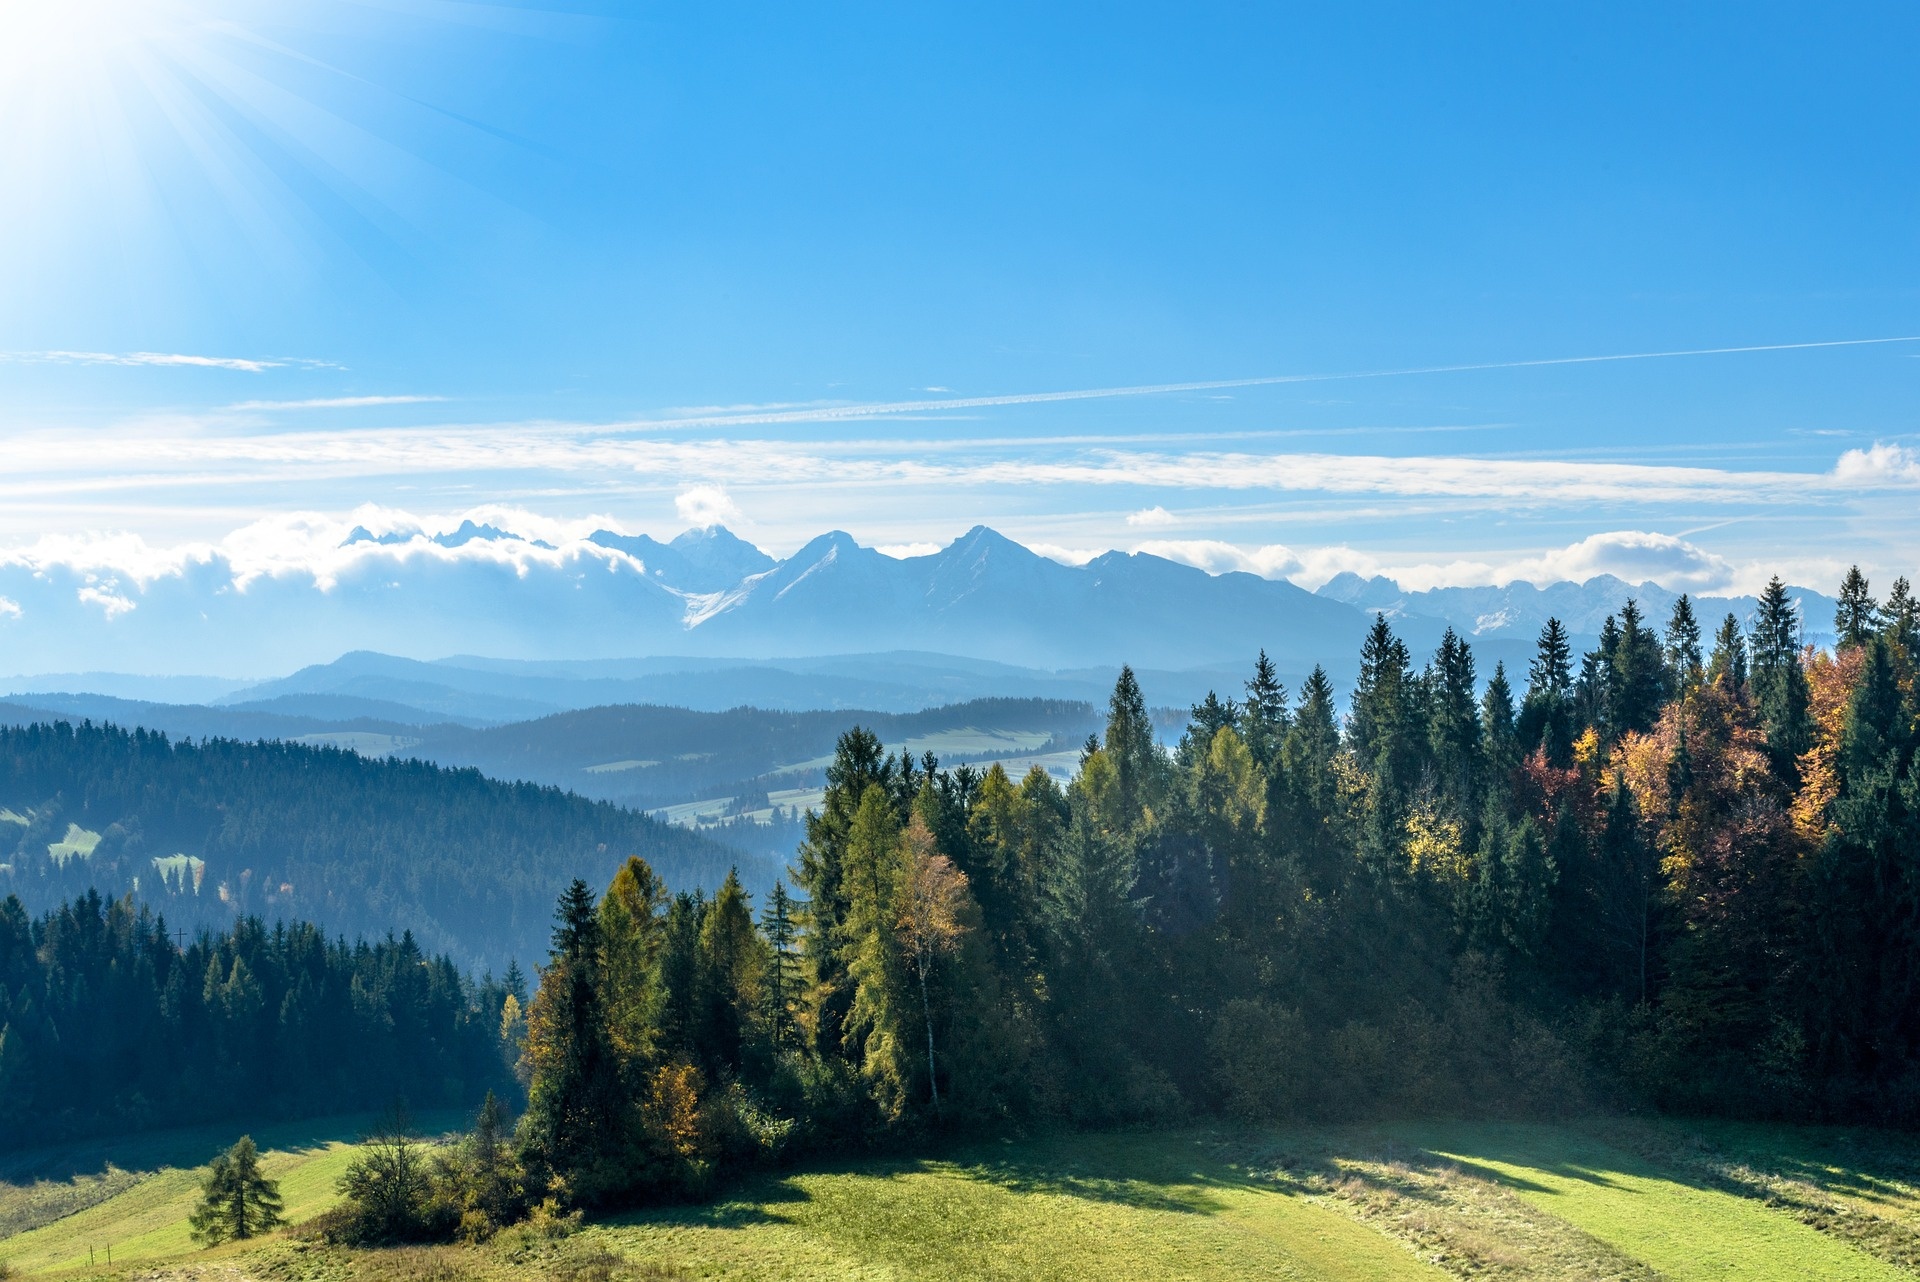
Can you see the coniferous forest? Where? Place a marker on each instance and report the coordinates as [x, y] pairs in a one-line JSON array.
[[1680, 872], [212, 830]]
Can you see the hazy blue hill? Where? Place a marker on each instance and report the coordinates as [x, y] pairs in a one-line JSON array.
[[205, 832], [191, 720], [651, 755], [334, 709]]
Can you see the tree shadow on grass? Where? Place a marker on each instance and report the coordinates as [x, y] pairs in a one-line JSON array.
[[196, 1146]]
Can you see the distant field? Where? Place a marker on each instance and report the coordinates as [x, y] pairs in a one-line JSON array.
[[1629, 1202]]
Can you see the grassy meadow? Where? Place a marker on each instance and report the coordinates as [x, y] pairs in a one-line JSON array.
[[1602, 1200]]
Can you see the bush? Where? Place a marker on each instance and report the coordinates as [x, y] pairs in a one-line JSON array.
[[1259, 1055], [390, 1192]]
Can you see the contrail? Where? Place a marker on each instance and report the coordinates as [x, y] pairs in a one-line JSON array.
[[831, 413]]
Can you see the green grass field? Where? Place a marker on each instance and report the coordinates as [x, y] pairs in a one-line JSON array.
[[57, 1205], [1624, 1201]]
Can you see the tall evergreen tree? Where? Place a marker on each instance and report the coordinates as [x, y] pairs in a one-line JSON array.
[[784, 989], [1454, 729], [1856, 616], [1129, 744], [1729, 660], [1263, 718], [1546, 715], [1636, 674], [1779, 683], [859, 762], [1685, 668], [578, 1124], [1497, 722], [1900, 619]]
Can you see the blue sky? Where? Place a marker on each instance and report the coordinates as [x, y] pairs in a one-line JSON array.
[[269, 269]]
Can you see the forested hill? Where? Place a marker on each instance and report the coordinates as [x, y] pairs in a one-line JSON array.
[[206, 832]]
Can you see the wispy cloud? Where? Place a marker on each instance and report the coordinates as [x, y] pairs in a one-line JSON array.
[[157, 458], [336, 402], [841, 413], [245, 364]]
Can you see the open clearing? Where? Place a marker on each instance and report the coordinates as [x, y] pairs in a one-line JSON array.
[[1626, 1201]]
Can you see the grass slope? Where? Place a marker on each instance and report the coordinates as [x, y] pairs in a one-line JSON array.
[[1598, 1202], [1087, 1207], [1670, 1218], [57, 1204]]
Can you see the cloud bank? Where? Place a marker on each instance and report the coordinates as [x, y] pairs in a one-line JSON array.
[[288, 590]]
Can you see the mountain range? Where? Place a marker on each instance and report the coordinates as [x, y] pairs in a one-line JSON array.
[[708, 595]]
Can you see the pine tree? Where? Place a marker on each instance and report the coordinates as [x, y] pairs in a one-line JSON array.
[[1454, 730], [237, 1200], [1855, 614], [1729, 661], [1682, 650], [1546, 714], [782, 931], [1779, 683]]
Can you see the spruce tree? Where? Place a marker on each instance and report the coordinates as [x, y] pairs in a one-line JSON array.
[[1382, 696], [1263, 717], [577, 1124], [1856, 616], [1546, 715], [1129, 742], [1685, 669], [1454, 730], [778, 924], [1636, 674], [1552, 666], [1779, 683], [1900, 619], [1729, 660], [1497, 725], [859, 762]]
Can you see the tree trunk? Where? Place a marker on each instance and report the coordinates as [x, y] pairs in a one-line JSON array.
[[926, 1007]]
